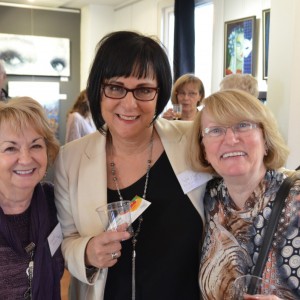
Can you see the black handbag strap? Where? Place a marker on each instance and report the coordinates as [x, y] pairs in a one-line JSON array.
[[271, 228]]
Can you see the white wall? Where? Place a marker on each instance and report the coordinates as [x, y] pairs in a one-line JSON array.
[[284, 78], [97, 20], [284, 56]]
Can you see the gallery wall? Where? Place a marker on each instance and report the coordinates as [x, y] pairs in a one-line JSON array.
[[146, 16], [48, 23], [282, 87]]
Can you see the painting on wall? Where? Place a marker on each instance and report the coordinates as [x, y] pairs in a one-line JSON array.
[[266, 32], [46, 93], [35, 55], [238, 46]]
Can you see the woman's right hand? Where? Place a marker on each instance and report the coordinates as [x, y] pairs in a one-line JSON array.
[[103, 250], [169, 115]]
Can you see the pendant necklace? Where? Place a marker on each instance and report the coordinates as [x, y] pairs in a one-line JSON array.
[[29, 271], [137, 231]]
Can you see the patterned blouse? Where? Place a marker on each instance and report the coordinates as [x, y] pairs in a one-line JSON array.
[[233, 239]]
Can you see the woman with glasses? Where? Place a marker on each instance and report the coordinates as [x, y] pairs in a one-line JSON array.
[[236, 138], [188, 90], [134, 154]]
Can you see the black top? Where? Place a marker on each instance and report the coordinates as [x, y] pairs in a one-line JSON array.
[[168, 246]]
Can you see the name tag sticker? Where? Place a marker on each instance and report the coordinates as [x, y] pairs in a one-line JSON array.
[[55, 238], [189, 180]]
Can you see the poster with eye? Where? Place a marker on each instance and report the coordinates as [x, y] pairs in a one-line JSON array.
[[239, 47], [35, 55], [46, 93]]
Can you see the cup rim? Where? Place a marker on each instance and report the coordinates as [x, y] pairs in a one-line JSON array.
[[104, 206]]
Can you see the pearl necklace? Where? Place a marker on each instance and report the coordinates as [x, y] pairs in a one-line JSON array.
[[136, 233]]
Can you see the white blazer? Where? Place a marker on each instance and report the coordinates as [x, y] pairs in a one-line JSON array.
[[81, 186]]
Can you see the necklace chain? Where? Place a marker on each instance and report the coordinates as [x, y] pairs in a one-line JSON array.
[[137, 231]]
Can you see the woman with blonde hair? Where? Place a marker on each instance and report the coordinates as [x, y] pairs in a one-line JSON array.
[[188, 90], [31, 261], [236, 138], [244, 82]]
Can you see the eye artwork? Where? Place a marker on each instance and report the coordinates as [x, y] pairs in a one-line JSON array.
[[35, 55]]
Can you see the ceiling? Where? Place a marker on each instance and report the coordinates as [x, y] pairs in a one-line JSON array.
[[65, 3]]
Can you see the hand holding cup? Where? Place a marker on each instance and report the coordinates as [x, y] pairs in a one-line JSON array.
[[116, 216], [250, 287]]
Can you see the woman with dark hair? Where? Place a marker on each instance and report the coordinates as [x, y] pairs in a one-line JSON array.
[[134, 153]]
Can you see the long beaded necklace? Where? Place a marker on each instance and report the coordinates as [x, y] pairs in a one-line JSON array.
[[137, 231]]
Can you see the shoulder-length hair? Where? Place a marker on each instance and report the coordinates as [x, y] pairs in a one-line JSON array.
[[23, 112], [183, 80], [227, 108], [127, 53], [81, 105]]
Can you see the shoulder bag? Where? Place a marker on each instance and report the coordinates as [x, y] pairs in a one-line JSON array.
[[271, 228]]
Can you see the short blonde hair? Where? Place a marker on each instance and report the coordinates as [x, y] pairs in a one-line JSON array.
[[245, 82], [23, 112], [229, 107], [183, 80]]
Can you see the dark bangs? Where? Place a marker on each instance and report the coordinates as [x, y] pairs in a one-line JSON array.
[[125, 54]]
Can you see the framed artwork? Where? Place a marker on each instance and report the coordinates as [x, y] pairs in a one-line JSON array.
[[238, 46], [46, 93], [35, 55], [266, 32]]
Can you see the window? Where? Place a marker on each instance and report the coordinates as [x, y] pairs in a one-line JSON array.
[[203, 39], [203, 44]]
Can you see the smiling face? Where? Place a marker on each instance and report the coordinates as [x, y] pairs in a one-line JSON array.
[[23, 160], [128, 118], [233, 155]]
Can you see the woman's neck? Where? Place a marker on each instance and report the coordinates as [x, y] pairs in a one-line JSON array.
[[15, 203], [240, 189], [189, 115], [118, 146]]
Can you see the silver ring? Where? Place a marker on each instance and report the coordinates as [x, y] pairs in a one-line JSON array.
[[114, 255]]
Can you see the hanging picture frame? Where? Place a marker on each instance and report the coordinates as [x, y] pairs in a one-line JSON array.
[[266, 33], [35, 55], [239, 48]]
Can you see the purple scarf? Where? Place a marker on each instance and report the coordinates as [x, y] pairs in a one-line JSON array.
[[48, 270]]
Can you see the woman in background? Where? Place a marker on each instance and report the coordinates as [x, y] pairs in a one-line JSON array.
[[31, 264], [244, 82], [79, 119], [3, 79], [188, 90]]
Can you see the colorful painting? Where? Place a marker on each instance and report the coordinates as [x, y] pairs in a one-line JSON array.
[[239, 46], [46, 93]]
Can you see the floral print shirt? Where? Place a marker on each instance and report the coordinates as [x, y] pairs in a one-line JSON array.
[[233, 239]]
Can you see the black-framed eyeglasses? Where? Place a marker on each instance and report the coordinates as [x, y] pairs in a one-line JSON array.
[[119, 92]]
